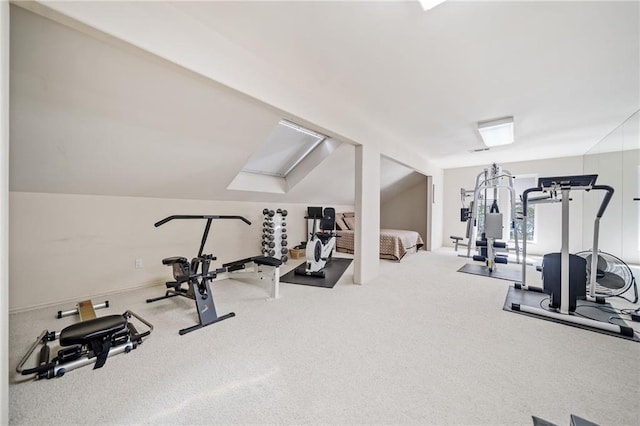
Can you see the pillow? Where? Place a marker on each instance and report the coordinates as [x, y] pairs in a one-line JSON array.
[[351, 222], [340, 224]]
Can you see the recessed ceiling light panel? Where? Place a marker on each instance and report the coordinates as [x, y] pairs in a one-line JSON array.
[[497, 132]]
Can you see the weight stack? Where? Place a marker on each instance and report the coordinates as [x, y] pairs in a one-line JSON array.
[[274, 234]]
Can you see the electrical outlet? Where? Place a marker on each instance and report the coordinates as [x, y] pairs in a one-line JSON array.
[[138, 263]]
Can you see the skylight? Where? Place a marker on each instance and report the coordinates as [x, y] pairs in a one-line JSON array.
[[288, 154], [430, 4], [286, 146]]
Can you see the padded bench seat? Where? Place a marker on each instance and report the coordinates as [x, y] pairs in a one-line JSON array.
[[258, 260], [176, 259], [93, 329], [264, 260], [496, 244]]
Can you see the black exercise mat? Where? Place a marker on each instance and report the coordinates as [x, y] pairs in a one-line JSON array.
[[535, 300], [500, 272], [332, 271]]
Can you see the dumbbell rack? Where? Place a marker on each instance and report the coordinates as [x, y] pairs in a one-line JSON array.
[[274, 234]]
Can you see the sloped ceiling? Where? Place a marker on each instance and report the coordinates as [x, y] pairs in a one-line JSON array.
[[391, 74], [91, 118], [568, 72], [396, 178]]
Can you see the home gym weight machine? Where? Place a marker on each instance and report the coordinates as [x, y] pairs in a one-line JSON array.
[[322, 241], [198, 276], [91, 341], [490, 180], [564, 275]]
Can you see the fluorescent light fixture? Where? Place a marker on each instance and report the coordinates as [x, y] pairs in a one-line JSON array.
[[430, 4], [497, 132]]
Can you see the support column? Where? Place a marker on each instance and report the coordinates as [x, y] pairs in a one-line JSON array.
[[4, 212], [367, 234]]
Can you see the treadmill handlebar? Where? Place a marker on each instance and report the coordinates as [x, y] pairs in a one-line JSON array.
[[603, 206], [605, 201], [190, 216]]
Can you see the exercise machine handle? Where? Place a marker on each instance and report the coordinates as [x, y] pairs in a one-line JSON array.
[[605, 201], [525, 197], [191, 216]]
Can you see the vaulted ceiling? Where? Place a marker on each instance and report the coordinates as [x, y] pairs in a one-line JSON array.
[[96, 115], [568, 71]]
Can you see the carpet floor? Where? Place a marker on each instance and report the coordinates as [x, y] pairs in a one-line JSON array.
[[421, 344]]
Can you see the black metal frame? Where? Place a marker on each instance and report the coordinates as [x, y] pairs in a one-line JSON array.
[[200, 277]]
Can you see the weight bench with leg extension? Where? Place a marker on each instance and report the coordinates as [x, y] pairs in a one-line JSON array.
[[87, 342], [199, 288], [196, 275]]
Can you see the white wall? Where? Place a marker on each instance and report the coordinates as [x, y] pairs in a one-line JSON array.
[[407, 210], [68, 247], [548, 216], [4, 211], [619, 227]]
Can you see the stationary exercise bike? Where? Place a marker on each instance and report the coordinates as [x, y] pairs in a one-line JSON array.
[[321, 243], [197, 275]]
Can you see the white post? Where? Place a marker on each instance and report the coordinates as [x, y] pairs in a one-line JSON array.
[[275, 277], [4, 211], [367, 234], [564, 254]]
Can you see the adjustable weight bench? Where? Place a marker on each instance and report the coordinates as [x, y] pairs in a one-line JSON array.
[[253, 266], [87, 342]]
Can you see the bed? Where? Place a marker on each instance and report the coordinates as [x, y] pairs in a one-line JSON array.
[[394, 243]]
